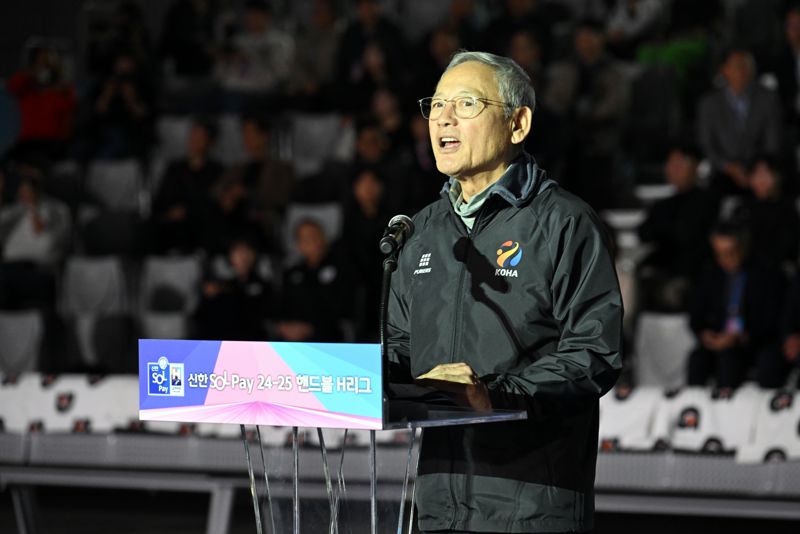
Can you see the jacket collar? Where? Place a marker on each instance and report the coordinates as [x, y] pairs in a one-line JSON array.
[[522, 181]]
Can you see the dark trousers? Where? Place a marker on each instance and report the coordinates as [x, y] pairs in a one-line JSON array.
[[730, 367]]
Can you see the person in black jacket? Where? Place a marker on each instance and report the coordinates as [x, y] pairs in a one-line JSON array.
[[506, 296], [365, 219], [771, 217], [235, 297], [677, 229], [735, 315], [181, 203], [316, 294]]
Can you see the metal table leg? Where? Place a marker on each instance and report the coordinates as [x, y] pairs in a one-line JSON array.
[[400, 518], [373, 485], [295, 481], [416, 478]]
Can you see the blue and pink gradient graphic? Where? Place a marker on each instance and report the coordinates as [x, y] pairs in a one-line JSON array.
[[327, 385]]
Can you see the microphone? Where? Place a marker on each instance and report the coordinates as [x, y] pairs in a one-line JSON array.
[[399, 231]]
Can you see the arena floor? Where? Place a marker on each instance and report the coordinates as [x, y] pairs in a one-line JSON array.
[[128, 512]]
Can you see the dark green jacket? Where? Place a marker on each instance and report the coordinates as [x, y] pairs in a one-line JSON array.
[[530, 300]]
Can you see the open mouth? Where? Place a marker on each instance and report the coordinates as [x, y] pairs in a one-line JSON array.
[[449, 143]]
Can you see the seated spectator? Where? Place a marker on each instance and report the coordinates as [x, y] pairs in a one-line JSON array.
[[424, 181], [771, 218], [736, 122], [229, 217], [434, 52], [589, 94], [630, 23], [376, 72], [372, 148], [365, 219], [315, 60], [372, 47], [316, 295], [268, 182], [735, 315], [524, 48], [122, 110], [259, 58], [676, 228], [187, 38], [185, 190], [235, 299], [462, 18], [539, 16], [385, 107], [785, 68], [34, 235], [685, 50], [46, 104]]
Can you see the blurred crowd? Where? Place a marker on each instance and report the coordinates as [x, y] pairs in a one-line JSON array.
[[703, 96]]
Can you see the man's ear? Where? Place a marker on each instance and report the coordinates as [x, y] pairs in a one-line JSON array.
[[521, 124]]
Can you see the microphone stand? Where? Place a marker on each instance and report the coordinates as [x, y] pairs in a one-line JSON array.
[[389, 266]]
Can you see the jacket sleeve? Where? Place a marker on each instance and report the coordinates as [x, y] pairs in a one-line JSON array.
[[587, 305]]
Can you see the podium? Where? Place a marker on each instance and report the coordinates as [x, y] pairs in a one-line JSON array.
[[295, 385]]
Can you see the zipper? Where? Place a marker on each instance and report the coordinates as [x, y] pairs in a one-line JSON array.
[[460, 285]]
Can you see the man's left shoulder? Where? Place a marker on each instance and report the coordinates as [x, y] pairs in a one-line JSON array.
[[559, 203]]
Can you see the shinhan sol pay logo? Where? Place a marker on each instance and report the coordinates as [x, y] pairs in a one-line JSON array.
[[508, 255], [165, 379]]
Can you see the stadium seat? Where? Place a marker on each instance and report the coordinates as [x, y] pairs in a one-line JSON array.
[[170, 284], [229, 149], [104, 342], [94, 285], [108, 233], [164, 325], [661, 346], [315, 138], [117, 185], [626, 418], [172, 133], [21, 335]]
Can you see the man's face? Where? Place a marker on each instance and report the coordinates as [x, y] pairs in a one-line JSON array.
[[256, 21], [589, 45], [763, 182], [371, 144], [737, 72], [524, 50], [470, 147], [199, 141], [727, 252], [311, 243], [680, 170], [254, 139]]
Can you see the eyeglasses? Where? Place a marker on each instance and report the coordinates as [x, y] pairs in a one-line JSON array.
[[464, 107]]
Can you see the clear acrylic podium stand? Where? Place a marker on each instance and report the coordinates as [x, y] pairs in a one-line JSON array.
[[422, 416], [281, 385]]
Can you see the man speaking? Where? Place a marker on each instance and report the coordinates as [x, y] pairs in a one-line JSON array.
[[507, 295]]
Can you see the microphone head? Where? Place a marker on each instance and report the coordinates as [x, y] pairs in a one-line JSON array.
[[406, 222], [398, 231]]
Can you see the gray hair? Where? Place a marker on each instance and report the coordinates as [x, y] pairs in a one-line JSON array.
[[513, 83]]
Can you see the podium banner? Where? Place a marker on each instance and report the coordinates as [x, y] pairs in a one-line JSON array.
[[326, 385]]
